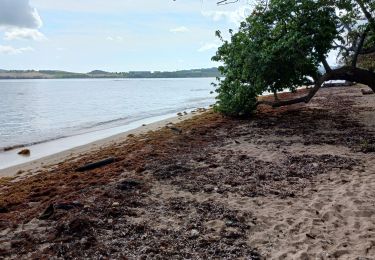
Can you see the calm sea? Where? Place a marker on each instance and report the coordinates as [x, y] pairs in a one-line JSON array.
[[34, 111]]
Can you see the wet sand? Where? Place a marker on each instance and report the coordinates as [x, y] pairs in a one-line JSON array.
[[288, 183], [55, 151]]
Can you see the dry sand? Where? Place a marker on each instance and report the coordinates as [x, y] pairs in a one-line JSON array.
[[290, 183]]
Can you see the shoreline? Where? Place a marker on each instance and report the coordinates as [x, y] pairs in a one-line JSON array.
[[295, 182], [45, 157]]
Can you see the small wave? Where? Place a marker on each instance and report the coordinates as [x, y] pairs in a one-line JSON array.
[[18, 146], [111, 124]]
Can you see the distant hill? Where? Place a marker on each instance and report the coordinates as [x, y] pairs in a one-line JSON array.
[[57, 74], [96, 72]]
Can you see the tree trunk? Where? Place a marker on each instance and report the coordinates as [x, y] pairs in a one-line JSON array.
[[351, 74]]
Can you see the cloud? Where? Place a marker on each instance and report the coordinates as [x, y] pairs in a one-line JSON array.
[[19, 13], [181, 29], [208, 46], [115, 38], [19, 21], [117, 6], [24, 34], [13, 51], [235, 16]]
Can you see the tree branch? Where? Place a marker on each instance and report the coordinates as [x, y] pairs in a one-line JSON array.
[[367, 14], [359, 47], [326, 65]]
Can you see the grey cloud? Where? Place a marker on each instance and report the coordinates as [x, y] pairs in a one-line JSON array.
[[19, 13]]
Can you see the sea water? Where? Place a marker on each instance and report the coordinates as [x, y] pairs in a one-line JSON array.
[[37, 111]]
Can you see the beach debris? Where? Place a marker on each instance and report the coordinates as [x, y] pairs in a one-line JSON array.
[[130, 184], [185, 113], [78, 227], [50, 210], [3, 210], [237, 142], [24, 152], [310, 236], [144, 125], [231, 233], [201, 110], [68, 205], [179, 114], [367, 92], [115, 204], [175, 129], [91, 166], [194, 233]]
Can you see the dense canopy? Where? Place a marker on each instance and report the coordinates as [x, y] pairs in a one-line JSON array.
[[284, 45]]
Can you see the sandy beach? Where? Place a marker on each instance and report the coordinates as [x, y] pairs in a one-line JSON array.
[[33, 165], [296, 182]]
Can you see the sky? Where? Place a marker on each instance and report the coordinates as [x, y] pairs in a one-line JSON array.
[[113, 35]]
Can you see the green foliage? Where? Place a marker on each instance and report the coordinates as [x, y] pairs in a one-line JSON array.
[[236, 99], [280, 46]]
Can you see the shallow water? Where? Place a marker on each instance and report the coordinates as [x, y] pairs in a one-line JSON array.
[[34, 111]]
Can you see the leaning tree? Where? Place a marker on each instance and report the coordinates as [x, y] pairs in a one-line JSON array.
[[284, 44]]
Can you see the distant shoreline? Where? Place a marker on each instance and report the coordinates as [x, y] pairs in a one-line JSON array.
[[99, 74]]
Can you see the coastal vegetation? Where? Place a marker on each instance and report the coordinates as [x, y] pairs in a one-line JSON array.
[[284, 45]]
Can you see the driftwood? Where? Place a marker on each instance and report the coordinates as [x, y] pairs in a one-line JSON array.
[[95, 165], [367, 91]]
